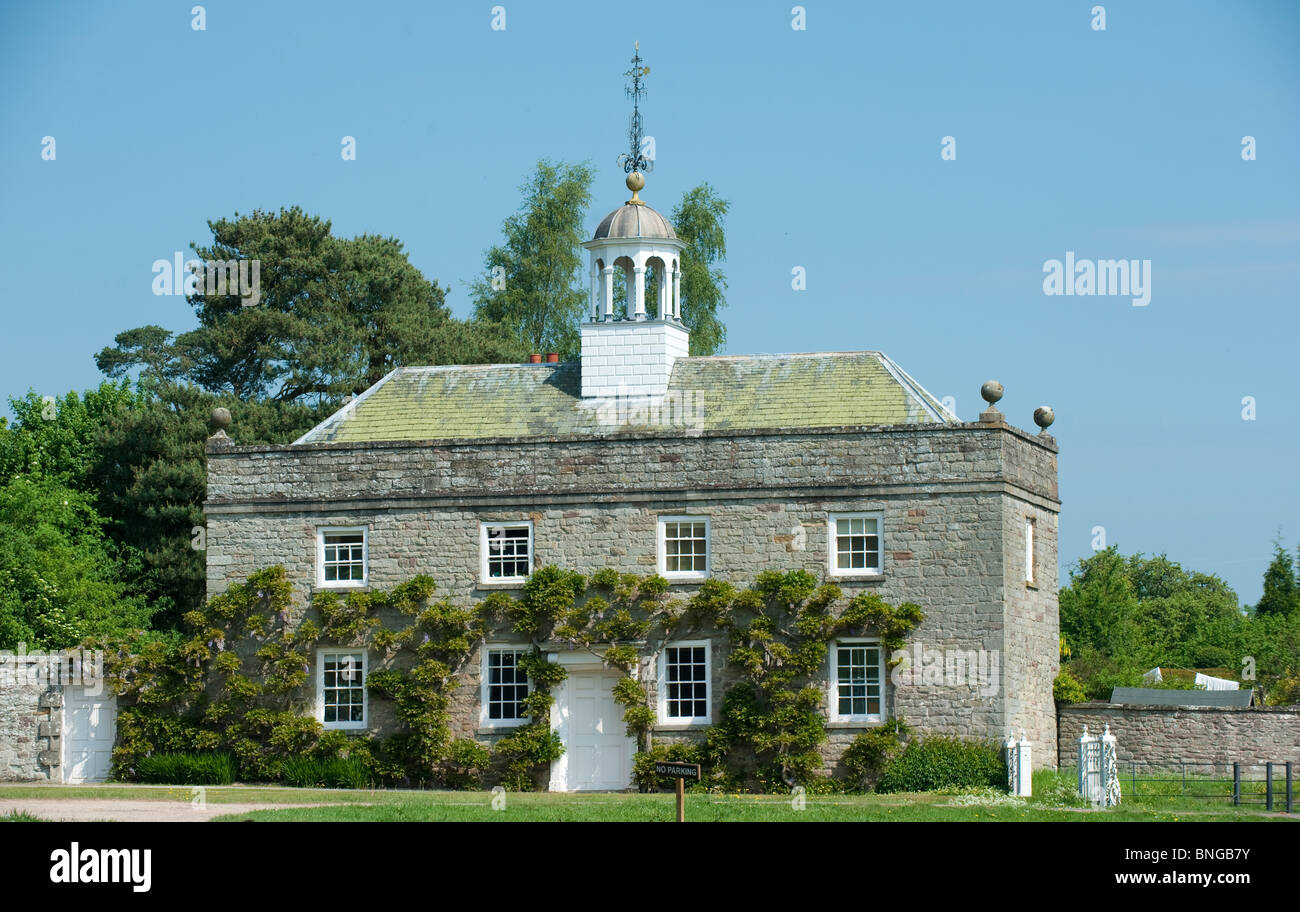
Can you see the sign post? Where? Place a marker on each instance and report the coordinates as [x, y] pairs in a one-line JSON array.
[[681, 772]]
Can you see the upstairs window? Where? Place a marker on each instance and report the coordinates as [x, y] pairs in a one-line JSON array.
[[341, 555], [507, 552], [684, 547], [855, 546]]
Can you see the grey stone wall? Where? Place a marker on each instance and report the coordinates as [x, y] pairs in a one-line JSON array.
[[31, 732], [953, 500], [631, 465], [1217, 735], [1031, 645]]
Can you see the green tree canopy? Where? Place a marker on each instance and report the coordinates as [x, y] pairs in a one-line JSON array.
[[1123, 616], [151, 474], [55, 437], [1281, 591], [531, 290], [61, 577], [698, 220], [333, 315]]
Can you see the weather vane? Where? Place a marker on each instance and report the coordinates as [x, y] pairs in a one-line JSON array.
[[635, 161]]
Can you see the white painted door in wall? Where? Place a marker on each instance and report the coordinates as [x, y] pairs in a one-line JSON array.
[[598, 749], [89, 729]]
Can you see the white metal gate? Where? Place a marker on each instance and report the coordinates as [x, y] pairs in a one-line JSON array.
[[1099, 768]]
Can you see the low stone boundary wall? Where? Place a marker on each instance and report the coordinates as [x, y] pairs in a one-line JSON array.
[[1192, 734], [31, 730]]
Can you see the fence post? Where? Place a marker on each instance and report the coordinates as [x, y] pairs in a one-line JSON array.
[[1024, 759], [1110, 768], [1289, 806], [1268, 789], [1236, 784], [1020, 769], [1013, 765], [1090, 767]]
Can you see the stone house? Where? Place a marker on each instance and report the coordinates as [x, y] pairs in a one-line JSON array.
[[644, 459]]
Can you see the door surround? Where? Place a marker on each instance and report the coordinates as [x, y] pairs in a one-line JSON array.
[[576, 663]]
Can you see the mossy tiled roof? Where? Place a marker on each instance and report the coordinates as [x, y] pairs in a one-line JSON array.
[[706, 394]]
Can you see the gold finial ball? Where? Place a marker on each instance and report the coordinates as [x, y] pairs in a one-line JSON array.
[[635, 181]]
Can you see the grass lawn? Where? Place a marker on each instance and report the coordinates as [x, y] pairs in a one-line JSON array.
[[398, 805]]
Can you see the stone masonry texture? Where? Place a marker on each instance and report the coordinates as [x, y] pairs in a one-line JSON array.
[[31, 730], [954, 499], [1218, 735]]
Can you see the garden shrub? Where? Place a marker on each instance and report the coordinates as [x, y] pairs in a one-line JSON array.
[[643, 765], [1068, 689], [142, 732], [325, 772], [866, 758], [177, 768], [941, 761]]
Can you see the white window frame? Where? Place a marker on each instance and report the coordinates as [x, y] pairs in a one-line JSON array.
[[321, 532], [485, 687], [662, 548], [321, 655], [485, 577], [833, 675], [832, 545], [662, 685], [1030, 545]]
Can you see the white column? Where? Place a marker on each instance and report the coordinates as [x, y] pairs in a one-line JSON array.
[[608, 274], [595, 291], [662, 286], [677, 292], [638, 282]]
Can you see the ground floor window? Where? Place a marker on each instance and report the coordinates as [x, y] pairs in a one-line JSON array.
[[341, 689], [856, 688], [684, 683], [505, 685]]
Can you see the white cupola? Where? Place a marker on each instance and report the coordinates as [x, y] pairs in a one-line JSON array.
[[630, 353]]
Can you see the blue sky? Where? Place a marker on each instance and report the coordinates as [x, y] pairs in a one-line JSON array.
[[1123, 143]]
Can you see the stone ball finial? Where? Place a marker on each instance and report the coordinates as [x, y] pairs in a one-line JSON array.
[[991, 391], [220, 419], [1043, 417]]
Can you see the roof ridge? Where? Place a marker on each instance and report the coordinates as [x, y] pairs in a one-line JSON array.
[[757, 355]]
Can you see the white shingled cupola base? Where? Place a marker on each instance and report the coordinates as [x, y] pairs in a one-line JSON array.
[[630, 358], [631, 354]]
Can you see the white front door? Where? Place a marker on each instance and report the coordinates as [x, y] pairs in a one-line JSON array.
[[597, 751], [89, 730]]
